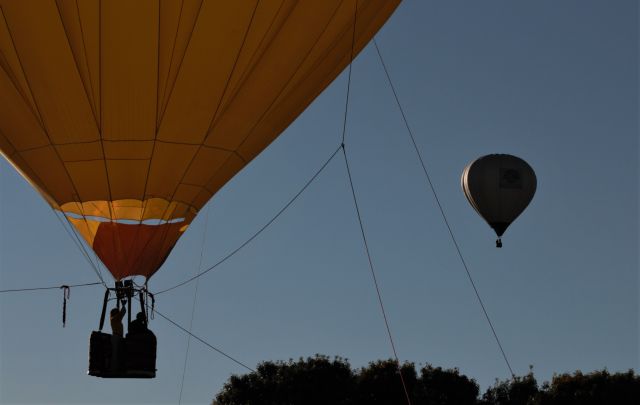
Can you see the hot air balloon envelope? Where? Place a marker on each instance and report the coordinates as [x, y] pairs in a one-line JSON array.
[[128, 116], [499, 187]]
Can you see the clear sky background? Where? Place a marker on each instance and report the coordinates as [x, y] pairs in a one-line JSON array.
[[553, 82]]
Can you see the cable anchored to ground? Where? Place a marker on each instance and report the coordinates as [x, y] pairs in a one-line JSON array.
[[206, 343], [444, 216], [375, 279]]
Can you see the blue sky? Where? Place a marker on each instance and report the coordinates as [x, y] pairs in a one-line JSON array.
[[554, 82]]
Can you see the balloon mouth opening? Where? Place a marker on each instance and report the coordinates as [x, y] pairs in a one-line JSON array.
[[151, 218], [148, 221], [126, 245]]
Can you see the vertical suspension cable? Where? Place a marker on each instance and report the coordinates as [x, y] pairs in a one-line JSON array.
[[355, 201], [193, 306], [442, 213], [375, 279], [346, 101]]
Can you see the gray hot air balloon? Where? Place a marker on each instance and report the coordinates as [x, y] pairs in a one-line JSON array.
[[499, 187]]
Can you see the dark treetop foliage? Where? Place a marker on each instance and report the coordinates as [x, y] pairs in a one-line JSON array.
[[321, 380]]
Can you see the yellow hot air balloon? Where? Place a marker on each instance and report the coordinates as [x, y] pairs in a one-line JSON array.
[[128, 116]]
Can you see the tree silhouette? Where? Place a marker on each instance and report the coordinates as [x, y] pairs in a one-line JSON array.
[[316, 380], [379, 383], [518, 391], [598, 387], [321, 380], [438, 386]]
